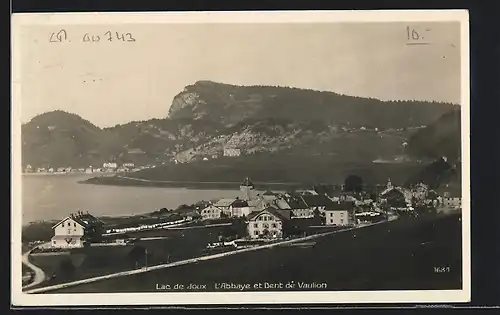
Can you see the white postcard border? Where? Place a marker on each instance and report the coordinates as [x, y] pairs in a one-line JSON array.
[[18, 298]]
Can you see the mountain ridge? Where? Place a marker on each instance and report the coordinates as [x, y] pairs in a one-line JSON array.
[[256, 119]]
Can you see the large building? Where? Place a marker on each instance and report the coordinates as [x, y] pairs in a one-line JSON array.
[[76, 230], [340, 214], [240, 208], [225, 205], [268, 223], [295, 204], [211, 213]]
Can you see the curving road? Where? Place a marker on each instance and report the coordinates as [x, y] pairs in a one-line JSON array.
[[39, 273]]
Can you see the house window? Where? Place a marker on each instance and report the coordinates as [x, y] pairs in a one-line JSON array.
[[331, 214], [62, 224], [331, 221], [266, 226], [256, 225], [342, 214], [341, 221], [74, 224], [256, 233], [274, 225], [54, 242]]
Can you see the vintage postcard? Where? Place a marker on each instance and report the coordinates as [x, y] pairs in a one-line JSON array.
[[197, 158]]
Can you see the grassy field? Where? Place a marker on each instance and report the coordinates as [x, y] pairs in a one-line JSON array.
[[167, 245], [398, 255]]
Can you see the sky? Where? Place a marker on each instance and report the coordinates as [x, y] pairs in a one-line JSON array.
[[116, 82]]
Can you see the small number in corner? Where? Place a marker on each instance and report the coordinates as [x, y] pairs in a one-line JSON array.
[[442, 269]]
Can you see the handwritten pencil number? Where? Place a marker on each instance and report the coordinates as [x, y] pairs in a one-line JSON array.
[[109, 35], [88, 38], [120, 36], [412, 34], [125, 37], [58, 37], [130, 38]]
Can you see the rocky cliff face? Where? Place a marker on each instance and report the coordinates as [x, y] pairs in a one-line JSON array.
[[230, 104]]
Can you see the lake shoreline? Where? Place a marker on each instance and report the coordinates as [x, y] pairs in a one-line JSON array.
[[138, 182]]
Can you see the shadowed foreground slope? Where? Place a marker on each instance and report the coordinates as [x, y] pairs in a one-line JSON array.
[[400, 255]]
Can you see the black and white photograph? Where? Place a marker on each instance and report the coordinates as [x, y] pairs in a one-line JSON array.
[[289, 157]]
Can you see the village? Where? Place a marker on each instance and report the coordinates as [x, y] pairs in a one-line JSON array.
[[115, 167], [107, 167], [251, 219]]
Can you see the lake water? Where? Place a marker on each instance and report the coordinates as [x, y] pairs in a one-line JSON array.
[[51, 197]]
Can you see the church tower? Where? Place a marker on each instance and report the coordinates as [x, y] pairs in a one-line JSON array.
[[389, 184], [246, 188]]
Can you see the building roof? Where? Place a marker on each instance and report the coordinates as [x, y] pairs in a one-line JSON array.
[[316, 200], [239, 203], [255, 202], [270, 210], [211, 207], [294, 202], [337, 206], [269, 193], [224, 202], [84, 219], [282, 204], [393, 191]]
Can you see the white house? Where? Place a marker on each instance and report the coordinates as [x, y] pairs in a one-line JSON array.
[[110, 165], [211, 212], [225, 205], [340, 214], [268, 223], [69, 232], [74, 230]]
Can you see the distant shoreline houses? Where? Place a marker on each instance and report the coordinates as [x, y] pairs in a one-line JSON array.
[[107, 167]]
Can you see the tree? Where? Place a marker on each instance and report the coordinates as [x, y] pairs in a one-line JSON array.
[[353, 183]]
